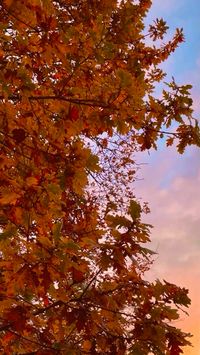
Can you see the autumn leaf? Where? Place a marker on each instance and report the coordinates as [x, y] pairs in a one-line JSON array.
[[18, 135], [77, 275], [7, 338], [9, 2], [74, 113], [87, 345], [9, 198], [8, 232], [31, 181], [77, 102], [135, 210]]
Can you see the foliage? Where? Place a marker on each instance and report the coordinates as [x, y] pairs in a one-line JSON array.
[[77, 97]]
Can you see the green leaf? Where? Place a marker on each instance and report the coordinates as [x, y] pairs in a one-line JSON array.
[[72, 245], [56, 346], [53, 188], [57, 227], [134, 210], [9, 232], [147, 251], [93, 163], [117, 221], [125, 77], [135, 350]]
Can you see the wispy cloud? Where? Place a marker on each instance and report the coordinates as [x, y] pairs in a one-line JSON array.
[[171, 182], [171, 185]]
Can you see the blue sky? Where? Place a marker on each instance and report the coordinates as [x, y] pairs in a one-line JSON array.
[[185, 62], [171, 182]]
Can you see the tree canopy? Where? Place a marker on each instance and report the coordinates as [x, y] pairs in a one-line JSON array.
[[77, 99]]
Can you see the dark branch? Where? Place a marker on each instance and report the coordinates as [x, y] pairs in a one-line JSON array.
[[85, 102]]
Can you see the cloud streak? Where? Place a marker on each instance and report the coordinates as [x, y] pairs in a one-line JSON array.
[[171, 182], [171, 185]]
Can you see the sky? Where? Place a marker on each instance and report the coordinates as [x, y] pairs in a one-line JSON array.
[[171, 182]]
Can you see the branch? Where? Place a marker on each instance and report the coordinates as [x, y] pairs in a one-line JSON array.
[[52, 305], [113, 311], [20, 20], [85, 102], [89, 284], [32, 341]]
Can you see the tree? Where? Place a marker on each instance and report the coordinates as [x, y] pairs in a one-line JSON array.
[[77, 100]]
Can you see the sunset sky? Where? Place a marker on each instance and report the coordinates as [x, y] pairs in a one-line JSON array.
[[171, 182]]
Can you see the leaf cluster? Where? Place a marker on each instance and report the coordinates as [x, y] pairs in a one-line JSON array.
[[76, 101]]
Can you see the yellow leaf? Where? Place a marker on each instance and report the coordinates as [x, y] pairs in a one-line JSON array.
[[55, 326]]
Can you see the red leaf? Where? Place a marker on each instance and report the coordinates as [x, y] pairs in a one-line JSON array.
[[74, 113], [8, 337], [175, 349], [45, 300], [18, 135], [78, 276]]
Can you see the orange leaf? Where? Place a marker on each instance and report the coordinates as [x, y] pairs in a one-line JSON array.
[[87, 345], [7, 338], [9, 2], [32, 181], [9, 198]]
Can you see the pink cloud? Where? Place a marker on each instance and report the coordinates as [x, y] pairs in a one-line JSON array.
[[171, 185]]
